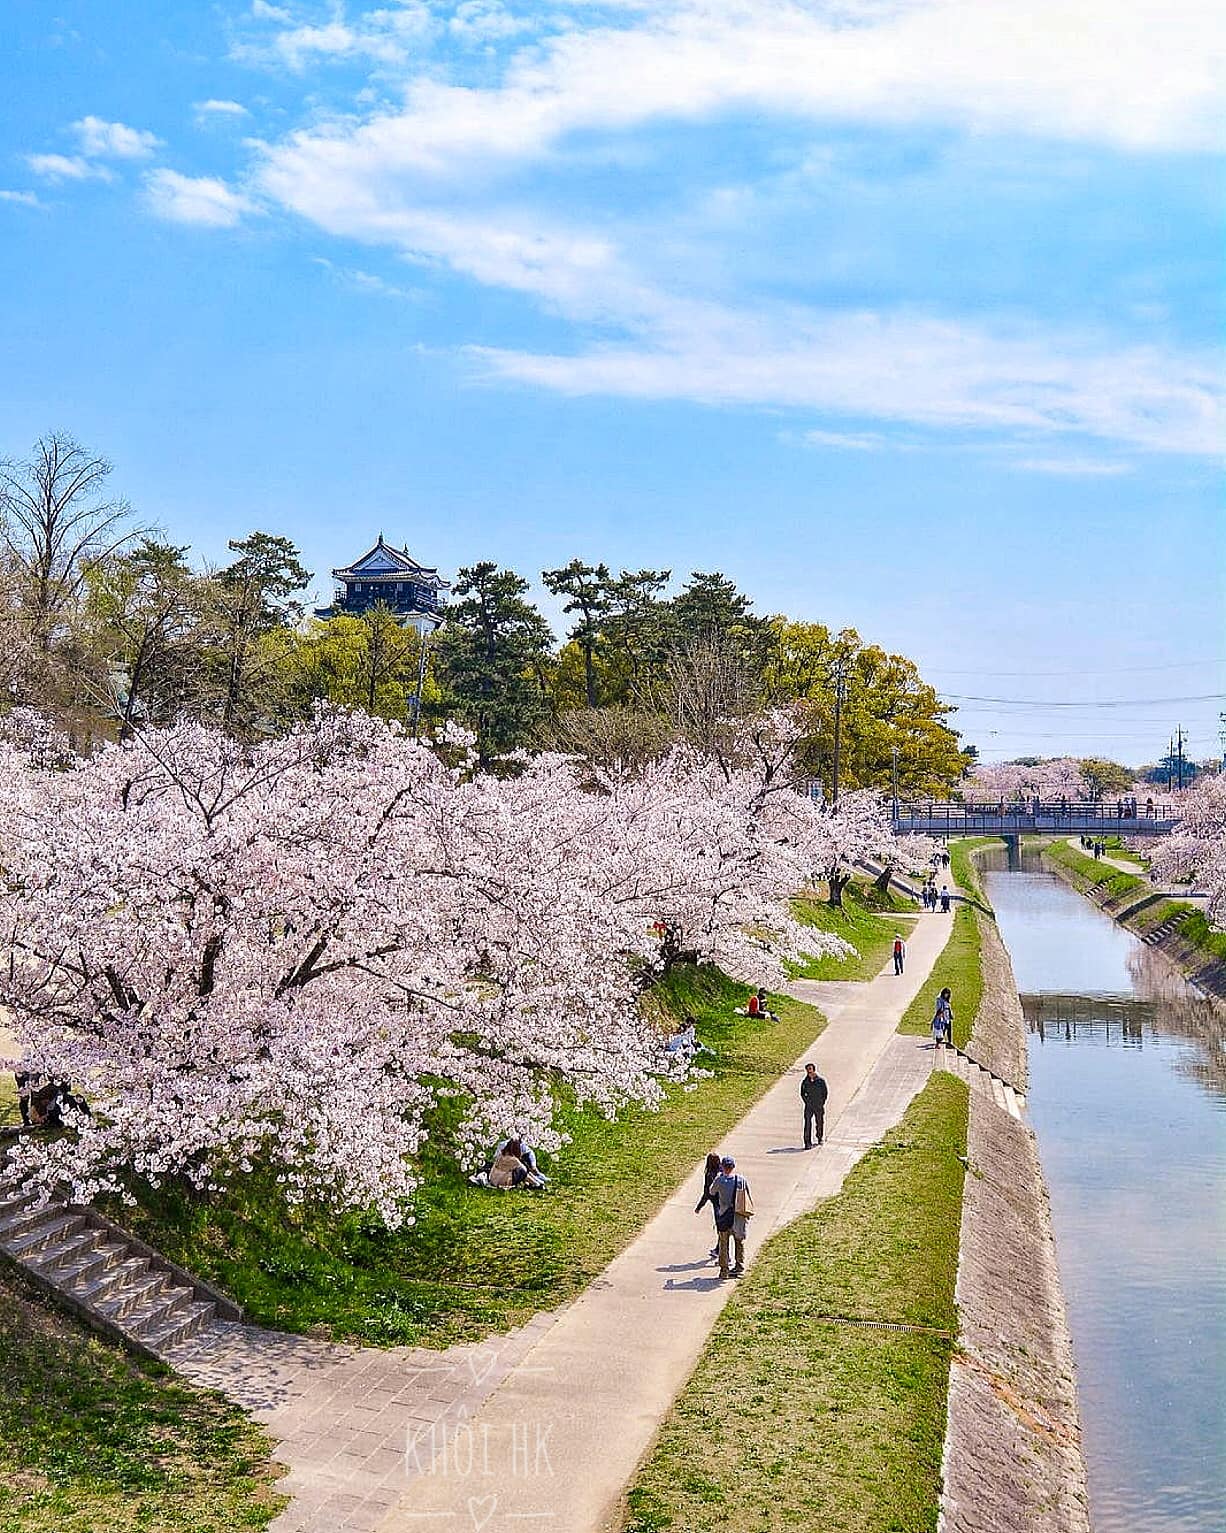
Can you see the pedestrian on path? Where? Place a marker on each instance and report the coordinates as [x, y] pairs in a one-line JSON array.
[[943, 1019], [900, 953], [944, 899], [813, 1093], [709, 1174], [733, 1210]]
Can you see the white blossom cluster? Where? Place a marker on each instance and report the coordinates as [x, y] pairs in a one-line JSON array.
[[288, 952], [1197, 848]]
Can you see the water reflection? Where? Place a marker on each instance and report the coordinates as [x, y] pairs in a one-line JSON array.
[[1128, 1096]]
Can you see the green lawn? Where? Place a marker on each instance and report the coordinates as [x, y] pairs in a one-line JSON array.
[[91, 1438], [958, 966], [791, 1421], [1111, 884], [868, 920], [479, 1261]]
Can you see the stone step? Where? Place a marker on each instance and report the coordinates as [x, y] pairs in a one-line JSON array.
[[135, 1311], [998, 1091], [137, 1292], [50, 1260], [15, 1196], [46, 1233], [99, 1275], [183, 1323], [25, 1216]]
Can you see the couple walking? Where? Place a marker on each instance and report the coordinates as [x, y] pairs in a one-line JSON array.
[[732, 1204]]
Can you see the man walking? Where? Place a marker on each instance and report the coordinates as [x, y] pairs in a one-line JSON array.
[[813, 1093], [900, 953], [733, 1207]]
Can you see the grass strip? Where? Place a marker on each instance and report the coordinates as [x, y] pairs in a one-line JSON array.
[[479, 1261], [93, 1438], [1110, 884], [958, 965], [791, 1421], [868, 920]]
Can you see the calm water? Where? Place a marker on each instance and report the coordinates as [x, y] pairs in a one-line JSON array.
[[1128, 1100]]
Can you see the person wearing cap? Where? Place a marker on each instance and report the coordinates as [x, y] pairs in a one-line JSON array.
[[900, 952], [730, 1225]]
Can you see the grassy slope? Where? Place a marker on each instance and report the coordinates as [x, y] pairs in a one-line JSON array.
[[91, 1438], [479, 1261], [1113, 886], [868, 921], [790, 1421]]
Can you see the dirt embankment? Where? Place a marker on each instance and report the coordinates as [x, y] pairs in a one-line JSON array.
[[1013, 1451]]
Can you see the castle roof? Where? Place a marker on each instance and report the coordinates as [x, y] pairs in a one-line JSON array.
[[383, 562]]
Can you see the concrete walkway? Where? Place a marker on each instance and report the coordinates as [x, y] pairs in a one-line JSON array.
[[554, 1446]]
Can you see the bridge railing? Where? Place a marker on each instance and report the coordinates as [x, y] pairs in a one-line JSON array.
[[1125, 816]]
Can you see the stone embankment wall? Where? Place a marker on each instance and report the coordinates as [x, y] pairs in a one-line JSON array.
[[1013, 1449]]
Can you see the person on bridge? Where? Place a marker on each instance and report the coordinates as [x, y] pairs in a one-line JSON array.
[[813, 1093], [900, 953]]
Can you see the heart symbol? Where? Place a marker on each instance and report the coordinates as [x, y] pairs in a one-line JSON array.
[[480, 1363], [481, 1509]]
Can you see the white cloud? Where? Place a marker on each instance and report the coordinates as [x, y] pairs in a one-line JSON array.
[[359, 281], [383, 36], [67, 167], [847, 441], [1140, 74], [114, 139], [26, 199], [264, 12], [214, 108], [482, 21], [201, 200], [1074, 468], [910, 368]]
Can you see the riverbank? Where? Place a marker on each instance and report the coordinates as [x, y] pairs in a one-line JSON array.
[[1175, 927], [1013, 1458]]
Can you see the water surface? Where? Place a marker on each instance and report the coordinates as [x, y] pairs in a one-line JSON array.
[[1128, 1101]]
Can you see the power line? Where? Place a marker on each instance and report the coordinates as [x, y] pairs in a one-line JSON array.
[[1125, 670], [1118, 702]]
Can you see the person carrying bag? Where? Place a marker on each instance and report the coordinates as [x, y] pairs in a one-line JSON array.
[[733, 1211]]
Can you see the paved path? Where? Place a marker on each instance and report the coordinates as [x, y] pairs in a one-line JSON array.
[[553, 1447]]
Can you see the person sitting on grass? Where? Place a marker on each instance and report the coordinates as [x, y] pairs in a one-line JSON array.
[[511, 1170], [684, 1038], [757, 1006]]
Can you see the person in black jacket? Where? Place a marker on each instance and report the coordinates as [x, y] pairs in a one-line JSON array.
[[710, 1172], [813, 1093]]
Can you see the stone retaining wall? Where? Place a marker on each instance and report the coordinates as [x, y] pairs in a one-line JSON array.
[[1013, 1460]]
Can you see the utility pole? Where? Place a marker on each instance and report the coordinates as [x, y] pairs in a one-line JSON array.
[[894, 777], [838, 730], [1170, 763], [1179, 739], [423, 650]]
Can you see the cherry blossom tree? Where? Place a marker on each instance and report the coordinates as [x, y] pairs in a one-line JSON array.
[[1197, 848], [1011, 780], [290, 951]]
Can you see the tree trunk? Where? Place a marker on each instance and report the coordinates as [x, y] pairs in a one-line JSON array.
[[838, 882]]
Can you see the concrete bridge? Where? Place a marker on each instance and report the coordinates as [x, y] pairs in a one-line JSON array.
[[1035, 817]]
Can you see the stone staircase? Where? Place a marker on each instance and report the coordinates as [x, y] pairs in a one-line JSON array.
[[1003, 1092], [1170, 925], [106, 1277]]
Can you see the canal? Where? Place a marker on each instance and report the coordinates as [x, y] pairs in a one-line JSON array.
[[1128, 1102]]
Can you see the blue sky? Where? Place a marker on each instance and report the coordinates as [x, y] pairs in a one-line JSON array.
[[903, 314]]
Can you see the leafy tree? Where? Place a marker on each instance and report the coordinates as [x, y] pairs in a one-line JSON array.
[[252, 606], [493, 652], [144, 607], [1103, 778], [639, 630], [588, 588], [886, 706], [369, 661]]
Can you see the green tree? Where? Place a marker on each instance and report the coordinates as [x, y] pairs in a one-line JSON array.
[[1105, 778], [252, 608], [369, 661], [886, 707], [143, 607], [588, 589], [492, 658]]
